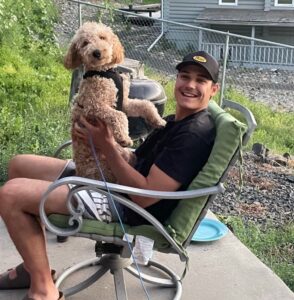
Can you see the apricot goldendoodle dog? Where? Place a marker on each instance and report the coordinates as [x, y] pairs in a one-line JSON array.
[[99, 50]]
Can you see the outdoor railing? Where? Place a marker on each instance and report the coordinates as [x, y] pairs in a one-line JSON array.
[[256, 55]]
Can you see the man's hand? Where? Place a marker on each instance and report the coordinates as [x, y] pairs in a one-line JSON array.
[[100, 134]]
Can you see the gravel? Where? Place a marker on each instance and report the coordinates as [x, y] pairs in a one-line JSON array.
[[267, 195], [268, 191], [274, 87]]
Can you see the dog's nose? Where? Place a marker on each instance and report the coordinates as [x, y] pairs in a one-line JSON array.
[[97, 54]]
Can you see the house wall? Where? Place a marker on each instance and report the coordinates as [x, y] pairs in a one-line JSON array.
[[186, 12]]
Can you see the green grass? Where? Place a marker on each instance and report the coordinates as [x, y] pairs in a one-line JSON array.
[[151, 1], [273, 246], [274, 129]]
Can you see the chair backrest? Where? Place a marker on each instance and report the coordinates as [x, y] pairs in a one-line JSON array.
[[231, 135]]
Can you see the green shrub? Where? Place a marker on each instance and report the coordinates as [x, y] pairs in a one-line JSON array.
[[27, 23], [34, 86]]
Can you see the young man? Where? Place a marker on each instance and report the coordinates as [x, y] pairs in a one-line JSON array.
[[168, 160]]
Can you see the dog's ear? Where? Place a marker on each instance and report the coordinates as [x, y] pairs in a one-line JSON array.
[[72, 58], [117, 51]]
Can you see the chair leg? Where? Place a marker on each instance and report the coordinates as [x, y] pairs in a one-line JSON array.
[[114, 264], [61, 239], [174, 280], [86, 283], [120, 287]]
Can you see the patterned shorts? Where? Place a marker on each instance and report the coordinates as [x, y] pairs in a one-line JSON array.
[[97, 205]]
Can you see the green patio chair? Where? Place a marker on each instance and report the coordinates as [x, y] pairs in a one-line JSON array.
[[113, 250]]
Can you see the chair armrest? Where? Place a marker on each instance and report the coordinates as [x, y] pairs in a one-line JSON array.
[[76, 219], [61, 147], [91, 183], [250, 120]]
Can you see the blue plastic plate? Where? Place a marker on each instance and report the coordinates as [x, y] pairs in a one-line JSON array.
[[210, 230]]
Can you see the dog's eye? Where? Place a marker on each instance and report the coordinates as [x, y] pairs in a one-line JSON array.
[[85, 43], [102, 37]]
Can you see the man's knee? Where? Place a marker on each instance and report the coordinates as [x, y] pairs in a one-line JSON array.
[[15, 166], [8, 196]]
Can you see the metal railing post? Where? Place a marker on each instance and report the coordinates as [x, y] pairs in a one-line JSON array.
[[162, 30], [80, 15], [252, 45], [222, 91], [200, 34]]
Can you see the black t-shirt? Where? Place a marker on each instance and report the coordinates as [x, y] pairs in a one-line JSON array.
[[180, 150]]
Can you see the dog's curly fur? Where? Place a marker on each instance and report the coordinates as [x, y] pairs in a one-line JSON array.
[[97, 48]]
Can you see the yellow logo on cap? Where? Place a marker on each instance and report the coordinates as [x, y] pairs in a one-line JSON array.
[[199, 58]]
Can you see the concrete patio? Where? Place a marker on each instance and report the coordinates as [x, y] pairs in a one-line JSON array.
[[224, 269]]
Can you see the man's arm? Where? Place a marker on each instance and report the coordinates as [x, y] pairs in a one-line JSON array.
[[127, 175], [124, 172]]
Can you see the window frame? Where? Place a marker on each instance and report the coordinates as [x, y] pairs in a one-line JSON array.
[[220, 2], [284, 5]]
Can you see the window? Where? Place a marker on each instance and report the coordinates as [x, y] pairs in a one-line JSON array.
[[284, 2], [229, 2]]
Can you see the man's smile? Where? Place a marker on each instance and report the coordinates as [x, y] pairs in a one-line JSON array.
[[189, 94]]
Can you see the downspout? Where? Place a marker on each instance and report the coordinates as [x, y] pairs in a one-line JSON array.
[[161, 34], [80, 15]]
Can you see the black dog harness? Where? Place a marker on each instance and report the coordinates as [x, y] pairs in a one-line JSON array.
[[114, 75]]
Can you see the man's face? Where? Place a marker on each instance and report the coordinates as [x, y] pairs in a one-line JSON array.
[[193, 89]]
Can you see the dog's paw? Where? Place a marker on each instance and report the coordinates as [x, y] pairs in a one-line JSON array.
[[126, 142], [158, 123]]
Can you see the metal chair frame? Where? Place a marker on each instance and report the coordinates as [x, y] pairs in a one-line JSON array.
[[117, 261]]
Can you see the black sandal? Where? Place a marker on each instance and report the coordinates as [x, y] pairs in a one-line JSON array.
[[21, 281]]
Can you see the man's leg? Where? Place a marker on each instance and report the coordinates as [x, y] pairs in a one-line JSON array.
[[35, 167], [45, 168], [19, 208]]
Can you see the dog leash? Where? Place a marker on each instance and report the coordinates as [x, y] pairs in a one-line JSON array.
[[117, 213]]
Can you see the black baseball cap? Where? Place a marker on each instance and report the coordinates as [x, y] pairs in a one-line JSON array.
[[203, 59]]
